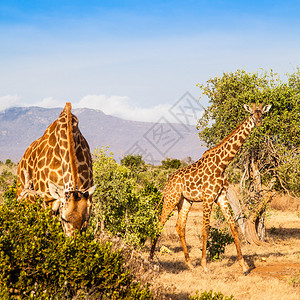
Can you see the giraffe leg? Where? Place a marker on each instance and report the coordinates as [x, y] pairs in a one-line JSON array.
[[168, 207], [207, 207], [224, 206], [153, 245], [183, 210]]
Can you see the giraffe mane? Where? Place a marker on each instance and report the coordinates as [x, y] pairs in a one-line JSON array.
[[71, 144]]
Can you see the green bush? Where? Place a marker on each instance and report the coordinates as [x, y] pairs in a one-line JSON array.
[[209, 296], [134, 162], [156, 175], [171, 163], [38, 261], [217, 241], [10, 193], [8, 162], [121, 205]]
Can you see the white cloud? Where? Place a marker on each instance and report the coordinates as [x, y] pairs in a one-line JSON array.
[[49, 102], [15, 100], [9, 101], [118, 106], [121, 106]]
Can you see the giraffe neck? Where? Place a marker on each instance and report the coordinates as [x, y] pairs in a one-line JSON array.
[[229, 147]]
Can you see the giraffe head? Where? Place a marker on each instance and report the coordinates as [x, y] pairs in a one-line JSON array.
[[257, 112], [74, 207]]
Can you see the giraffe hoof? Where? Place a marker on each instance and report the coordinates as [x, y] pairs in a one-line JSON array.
[[245, 268], [205, 269], [246, 271], [190, 266]]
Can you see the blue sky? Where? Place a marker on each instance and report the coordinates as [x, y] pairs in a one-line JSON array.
[[134, 59]]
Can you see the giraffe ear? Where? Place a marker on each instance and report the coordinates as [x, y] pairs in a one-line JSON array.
[[266, 108], [55, 190], [248, 108], [88, 193], [92, 190]]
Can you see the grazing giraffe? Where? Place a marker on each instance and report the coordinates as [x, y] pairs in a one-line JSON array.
[[205, 181], [58, 166]]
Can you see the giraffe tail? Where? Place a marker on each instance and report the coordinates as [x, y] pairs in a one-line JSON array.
[[71, 144], [157, 206]]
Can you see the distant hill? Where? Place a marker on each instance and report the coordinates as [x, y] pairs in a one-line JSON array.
[[20, 126]]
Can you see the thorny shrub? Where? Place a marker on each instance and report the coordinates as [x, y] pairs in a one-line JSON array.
[[217, 241], [38, 261], [209, 296]]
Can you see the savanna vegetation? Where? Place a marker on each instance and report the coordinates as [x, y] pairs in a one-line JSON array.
[[7, 175], [37, 261], [109, 261]]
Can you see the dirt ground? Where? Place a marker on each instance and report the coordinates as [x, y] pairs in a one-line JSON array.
[[275, 266]]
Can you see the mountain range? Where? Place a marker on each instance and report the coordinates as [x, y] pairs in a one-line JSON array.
[[20, 126]]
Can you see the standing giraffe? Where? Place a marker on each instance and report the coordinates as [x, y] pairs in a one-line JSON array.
[[58, 166], [205, 181]]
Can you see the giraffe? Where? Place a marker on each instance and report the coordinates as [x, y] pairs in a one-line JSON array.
[[205, 181], [58, 166]]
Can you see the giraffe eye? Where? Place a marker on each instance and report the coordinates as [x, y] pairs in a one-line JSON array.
[[75, 195]]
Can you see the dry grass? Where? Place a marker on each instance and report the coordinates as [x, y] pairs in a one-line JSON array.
[[275, 265], [7, 174], [284, 202], [143, 271], [7, 168]]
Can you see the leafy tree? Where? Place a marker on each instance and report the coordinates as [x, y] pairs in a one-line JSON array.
[[267, 156], [134, 162], [121, 205], [8, 162], [171, 163]]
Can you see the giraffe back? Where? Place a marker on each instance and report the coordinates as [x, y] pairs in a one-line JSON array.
[[197, 180]]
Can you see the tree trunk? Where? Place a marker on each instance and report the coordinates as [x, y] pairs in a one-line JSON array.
[[246, 227], [256, 194], [234, 202], [255, 223], [253, 227]]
